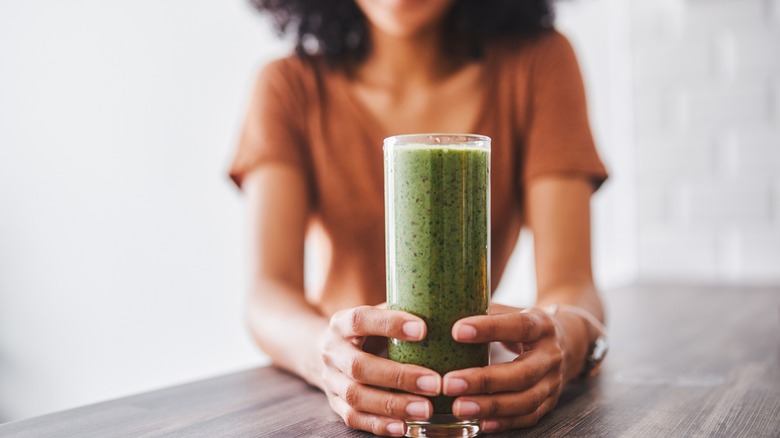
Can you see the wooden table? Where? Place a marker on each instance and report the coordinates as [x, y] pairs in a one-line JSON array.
[[684, 361]]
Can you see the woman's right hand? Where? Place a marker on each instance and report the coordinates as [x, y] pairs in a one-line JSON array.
[[359, 384]]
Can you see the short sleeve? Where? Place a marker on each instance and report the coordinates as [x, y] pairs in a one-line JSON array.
[[273, 127], [558, 138]]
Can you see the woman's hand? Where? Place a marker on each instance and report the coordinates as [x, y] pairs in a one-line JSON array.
[[358, 383], [517, 393]]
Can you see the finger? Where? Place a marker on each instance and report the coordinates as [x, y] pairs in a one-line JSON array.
[[505, 404], [372, 400], [525, 326], [373, 370], [376, 424], [500, 424], [373, 321], [518, 375]]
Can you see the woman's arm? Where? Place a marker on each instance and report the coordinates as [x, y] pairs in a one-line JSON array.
[[550, 350], [559, 217], [327, 352], [280, 319]]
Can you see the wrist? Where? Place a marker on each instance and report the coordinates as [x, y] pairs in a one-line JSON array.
[[575, 340], [314, 365], [583, 339]]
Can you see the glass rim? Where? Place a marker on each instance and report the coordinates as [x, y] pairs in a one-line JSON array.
[[454, 140]]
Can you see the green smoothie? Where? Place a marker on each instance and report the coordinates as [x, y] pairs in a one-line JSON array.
[[438, 260]]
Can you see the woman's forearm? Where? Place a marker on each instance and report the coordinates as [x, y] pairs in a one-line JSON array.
[[287, 327]]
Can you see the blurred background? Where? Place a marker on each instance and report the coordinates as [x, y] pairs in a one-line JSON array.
[[122, 261]]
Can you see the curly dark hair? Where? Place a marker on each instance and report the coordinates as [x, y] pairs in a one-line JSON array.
[[338, 30]]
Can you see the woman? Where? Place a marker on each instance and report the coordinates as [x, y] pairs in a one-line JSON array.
[[310, 156]]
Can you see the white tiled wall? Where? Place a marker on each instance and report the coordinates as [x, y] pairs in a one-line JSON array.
[[707, 133]]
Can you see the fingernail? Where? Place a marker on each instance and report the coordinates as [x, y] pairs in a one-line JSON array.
[[466, 332], [467, 408], [413, 329], [455, 386], [395, 429], [429, 383], [418, 409], [489, 426]]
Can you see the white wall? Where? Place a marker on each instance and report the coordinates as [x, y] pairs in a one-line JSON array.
[[707, 107], [121, 256]]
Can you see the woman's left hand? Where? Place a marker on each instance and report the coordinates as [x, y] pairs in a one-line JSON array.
[[513, 394]]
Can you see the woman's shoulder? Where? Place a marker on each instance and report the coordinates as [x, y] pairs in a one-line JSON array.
[[299, 79], [291, 69]]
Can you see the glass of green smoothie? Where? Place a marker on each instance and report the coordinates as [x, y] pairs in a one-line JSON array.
[[437, 231]]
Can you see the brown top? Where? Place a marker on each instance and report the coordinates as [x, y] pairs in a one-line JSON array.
[[303, 114]]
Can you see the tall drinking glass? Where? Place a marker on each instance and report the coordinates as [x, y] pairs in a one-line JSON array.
[[437, 231]]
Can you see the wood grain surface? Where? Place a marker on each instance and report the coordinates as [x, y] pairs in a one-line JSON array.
[[684, 361]]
